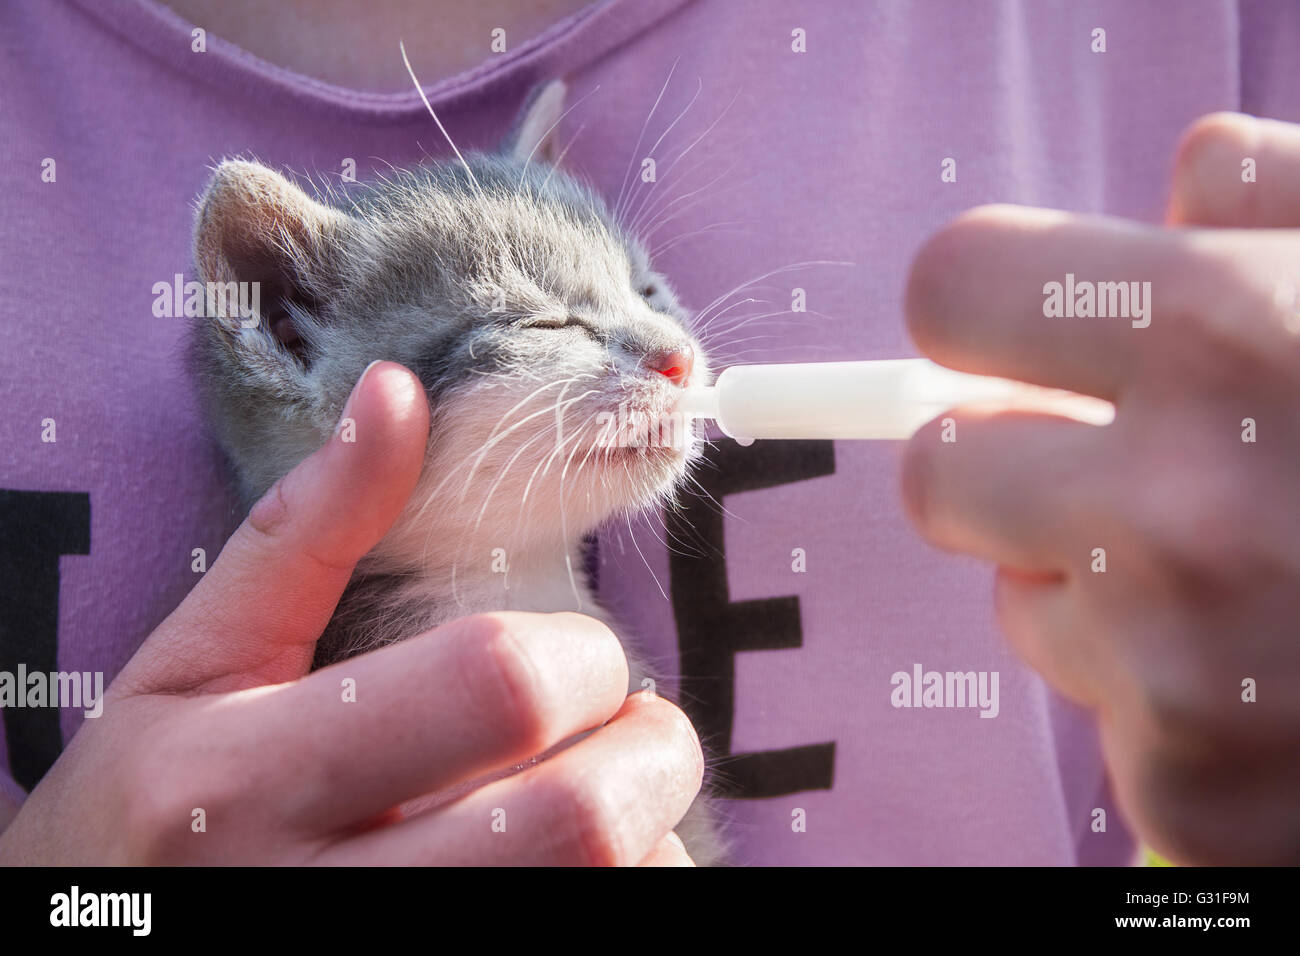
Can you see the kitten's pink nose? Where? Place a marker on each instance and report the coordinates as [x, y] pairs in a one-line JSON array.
[[676, 363]]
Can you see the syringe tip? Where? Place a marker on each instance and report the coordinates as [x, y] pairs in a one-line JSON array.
[[698, 402]]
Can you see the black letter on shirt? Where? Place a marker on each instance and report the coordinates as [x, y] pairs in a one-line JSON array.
[[711, 629], [35, 528]]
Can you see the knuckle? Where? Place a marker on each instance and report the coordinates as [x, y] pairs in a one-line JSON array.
[[508, 682], [1177, 506], [1209, 138], [270, 528], [1225, 332], [1190, 527], [595, 822], [1207, 186], [270, 514], [158, 815], [1239, 284]]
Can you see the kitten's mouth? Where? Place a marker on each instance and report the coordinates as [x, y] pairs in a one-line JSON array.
[[653, 432], [652, 454]]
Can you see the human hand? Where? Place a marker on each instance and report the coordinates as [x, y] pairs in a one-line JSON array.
[[216, 719], [1195, 507]]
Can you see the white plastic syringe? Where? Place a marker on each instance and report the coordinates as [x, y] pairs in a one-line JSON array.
[[888, 398]]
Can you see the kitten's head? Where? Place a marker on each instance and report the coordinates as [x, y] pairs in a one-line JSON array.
[[549, 347]]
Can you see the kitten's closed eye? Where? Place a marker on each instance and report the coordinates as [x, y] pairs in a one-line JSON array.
[[563, 322]]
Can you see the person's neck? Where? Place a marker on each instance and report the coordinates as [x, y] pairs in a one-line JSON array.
[[355, 45]]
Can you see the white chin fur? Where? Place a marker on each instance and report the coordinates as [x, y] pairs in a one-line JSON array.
[[500, 482]]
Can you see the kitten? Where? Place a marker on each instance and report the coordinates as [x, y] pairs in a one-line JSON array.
[[546, 342]]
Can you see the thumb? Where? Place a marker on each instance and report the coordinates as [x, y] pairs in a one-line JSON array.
[[256, 615], [1237, 171]]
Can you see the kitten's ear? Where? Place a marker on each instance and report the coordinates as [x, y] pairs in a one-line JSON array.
[[254, 225], [534, 135]]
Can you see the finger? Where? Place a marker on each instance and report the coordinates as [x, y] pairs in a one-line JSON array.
[[607, 800], [257, 613], [1009, 486], [1238, 171], [669, 852], [1042, 624], [980, 292], [480, 694]]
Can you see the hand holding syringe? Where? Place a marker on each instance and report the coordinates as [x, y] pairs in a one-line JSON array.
[[888, 398]]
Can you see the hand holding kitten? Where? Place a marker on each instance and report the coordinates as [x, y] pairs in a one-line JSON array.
[[217, 711]]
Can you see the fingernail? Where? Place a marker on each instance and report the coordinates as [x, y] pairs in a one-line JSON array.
[[347, 408]]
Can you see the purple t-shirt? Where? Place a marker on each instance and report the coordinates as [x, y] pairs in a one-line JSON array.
[[786, 133]]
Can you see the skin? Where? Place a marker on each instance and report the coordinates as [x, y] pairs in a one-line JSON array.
[[185, 724], [1201, 530], [321, 39], [1200, 592], [190, 711]]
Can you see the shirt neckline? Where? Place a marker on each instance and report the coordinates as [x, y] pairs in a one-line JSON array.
[[580, 38]]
